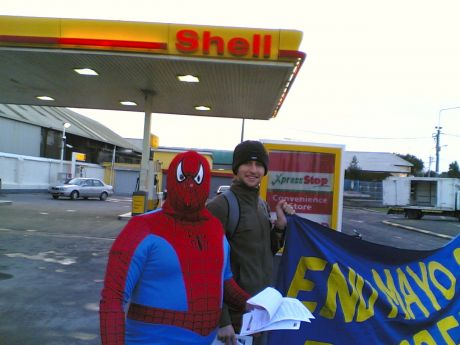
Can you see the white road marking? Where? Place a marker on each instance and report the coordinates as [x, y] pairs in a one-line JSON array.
[[37, 232], [119, 200], [92, 306], [59, 258], [416, 229], [83, 336]]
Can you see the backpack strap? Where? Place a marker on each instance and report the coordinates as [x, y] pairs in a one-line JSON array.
[[265, 208], [233, 212]]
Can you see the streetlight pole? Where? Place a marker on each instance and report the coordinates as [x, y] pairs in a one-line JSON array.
[[438, 136], [64, 127]]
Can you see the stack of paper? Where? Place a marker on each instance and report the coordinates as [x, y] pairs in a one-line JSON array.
[[273, 311]]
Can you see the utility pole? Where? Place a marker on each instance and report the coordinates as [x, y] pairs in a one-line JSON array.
[[438, 146], [430, 160], [437, 136]]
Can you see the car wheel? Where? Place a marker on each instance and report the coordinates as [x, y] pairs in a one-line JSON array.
[[103, 196], [74, 195], [55, 197]]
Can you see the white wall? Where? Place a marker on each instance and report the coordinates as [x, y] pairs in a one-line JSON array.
[[32, 173], [19, 138]]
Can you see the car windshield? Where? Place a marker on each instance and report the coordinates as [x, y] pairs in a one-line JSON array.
[[75, 181]]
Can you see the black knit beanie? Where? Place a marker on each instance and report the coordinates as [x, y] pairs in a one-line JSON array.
[[249, 150]]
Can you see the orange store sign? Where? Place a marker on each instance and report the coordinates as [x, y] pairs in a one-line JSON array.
[[189, 41]]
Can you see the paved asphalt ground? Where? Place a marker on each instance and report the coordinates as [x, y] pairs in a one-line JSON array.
[[53, 255]]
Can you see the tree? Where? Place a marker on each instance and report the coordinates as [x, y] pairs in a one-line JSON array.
[[353, 172], [418, 165], [454, 170]]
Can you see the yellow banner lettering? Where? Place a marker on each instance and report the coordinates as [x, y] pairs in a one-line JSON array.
[[457, 255], [424, 338], [300, 283], [337, 288], [423, 283], [365, 312], [392, 295], [444, 326], [409, 295], [448, 292]]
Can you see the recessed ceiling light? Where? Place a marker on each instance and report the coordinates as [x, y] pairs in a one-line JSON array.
[[86, 71], [202, 108], [45, 98], [129, 103], [188, 78]]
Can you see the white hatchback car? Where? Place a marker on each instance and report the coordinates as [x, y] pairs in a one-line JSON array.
[[81, 187]]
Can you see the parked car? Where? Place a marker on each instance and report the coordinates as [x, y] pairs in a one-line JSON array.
[[222, 189], [82, 188]]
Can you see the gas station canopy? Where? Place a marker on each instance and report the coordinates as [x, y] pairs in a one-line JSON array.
[[229, 72]]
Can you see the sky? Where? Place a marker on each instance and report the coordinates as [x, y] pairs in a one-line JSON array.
[[377, 76]]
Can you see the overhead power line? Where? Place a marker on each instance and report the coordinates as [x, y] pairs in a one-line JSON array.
[[452, 135], [362, 137]]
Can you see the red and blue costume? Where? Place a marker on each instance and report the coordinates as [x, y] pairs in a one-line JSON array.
[[168, 271]]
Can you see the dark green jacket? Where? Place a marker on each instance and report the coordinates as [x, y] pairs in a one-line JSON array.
[[251, 252]]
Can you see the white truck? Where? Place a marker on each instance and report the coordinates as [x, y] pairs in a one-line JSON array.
[[418, 196]]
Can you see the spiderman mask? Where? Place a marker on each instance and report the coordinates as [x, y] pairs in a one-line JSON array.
[[188, 183]]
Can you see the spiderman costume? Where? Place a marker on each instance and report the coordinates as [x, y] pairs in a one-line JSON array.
[[170, 268]]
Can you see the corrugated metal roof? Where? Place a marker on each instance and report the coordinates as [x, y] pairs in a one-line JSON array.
[[54, 118], [377, 161]]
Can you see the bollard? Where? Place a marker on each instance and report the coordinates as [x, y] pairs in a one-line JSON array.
[[139, 204]]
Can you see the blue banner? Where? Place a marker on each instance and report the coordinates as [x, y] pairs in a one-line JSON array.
[[364, 293]]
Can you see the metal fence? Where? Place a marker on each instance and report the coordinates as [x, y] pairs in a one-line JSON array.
[[372, 189]]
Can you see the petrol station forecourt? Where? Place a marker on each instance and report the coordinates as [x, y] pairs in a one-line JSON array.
[[226, 72]]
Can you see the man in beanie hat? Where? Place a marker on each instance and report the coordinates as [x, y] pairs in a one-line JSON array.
[[247, 151], [252, 242]]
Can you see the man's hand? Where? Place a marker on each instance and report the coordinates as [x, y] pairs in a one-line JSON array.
[[282, 208], [226, 335]]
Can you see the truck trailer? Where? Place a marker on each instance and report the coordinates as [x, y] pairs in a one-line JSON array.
[[418, 196]]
